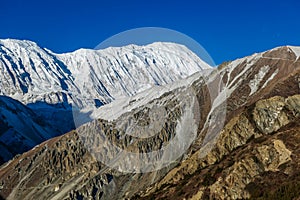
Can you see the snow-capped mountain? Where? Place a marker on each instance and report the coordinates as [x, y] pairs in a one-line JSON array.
[[50, 85], [117, 72], [30, 73]]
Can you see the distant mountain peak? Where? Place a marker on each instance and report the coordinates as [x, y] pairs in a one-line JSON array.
[[30, 71]]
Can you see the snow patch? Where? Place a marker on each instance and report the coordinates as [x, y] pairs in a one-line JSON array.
[[254, 83], [250, 61], [296, 50], [270, 78], [118, 107]]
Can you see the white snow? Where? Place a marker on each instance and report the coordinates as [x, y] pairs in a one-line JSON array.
[[87, 78], [119, 72], [254, 83], [296, 50], [20, 127], [30, 73], [250, 61], [118, 107], [270, 78]]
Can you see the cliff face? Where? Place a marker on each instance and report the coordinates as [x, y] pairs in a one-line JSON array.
[[256, 153], [256, 147]]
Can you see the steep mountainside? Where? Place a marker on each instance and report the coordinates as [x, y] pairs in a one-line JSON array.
[[256, 147], [20, 128], [32, 74], [117, 72], [53, 85]]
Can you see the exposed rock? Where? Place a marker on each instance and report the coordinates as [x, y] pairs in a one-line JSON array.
[[269, 116], [243, 153], [293, 104]]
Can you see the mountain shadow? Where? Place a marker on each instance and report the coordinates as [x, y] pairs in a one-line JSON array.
[[24, 126]]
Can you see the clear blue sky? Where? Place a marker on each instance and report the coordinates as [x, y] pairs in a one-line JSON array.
[[226, 29]]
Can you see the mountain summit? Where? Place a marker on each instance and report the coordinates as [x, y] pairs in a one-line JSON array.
[[31, 73]]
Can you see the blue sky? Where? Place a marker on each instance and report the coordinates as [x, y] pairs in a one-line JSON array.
[[226, 29]]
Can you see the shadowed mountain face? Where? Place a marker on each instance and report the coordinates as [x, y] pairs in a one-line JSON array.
[[256, 147], [20, 128]]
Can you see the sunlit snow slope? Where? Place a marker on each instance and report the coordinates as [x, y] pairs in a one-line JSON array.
[[31, 74]]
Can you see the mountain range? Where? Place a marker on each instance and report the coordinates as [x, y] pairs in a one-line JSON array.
[[55, 86], [158, 123]]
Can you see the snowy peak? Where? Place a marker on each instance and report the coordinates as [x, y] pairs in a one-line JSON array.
[[14, 44], [124, 71], [66, 160], [30, 73]]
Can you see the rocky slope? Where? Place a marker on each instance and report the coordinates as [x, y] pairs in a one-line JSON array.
[[253, 153], [254, 147], [258, 142]]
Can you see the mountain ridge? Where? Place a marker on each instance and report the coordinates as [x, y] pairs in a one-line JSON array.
[[261, 109], [61, 79]]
